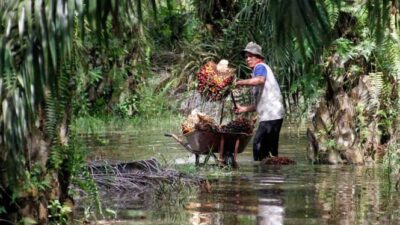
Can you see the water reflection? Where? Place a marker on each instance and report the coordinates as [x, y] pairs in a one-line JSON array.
[[270, 202], [269, 214], [360, 195], [243, 199], [300, 194]]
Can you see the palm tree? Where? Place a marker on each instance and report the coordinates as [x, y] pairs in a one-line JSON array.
[[36, 85]]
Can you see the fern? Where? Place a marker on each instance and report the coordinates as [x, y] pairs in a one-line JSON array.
[[389, 61], [375, 87], [389, 56], [51, 118], [333, 12]]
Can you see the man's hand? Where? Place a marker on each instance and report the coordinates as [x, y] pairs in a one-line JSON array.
[[239, 83], [239, 109]]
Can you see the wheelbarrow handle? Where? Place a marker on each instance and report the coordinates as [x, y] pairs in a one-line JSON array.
[[233, 100], [185, 145], [174, 137]]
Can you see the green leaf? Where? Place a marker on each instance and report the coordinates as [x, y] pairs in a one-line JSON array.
[[21, 22], [28, 221]]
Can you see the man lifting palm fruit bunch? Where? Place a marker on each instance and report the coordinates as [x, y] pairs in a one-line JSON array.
[[268, 103]]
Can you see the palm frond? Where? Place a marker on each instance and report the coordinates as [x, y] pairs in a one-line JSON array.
[[379, 12], [37, 38], [307, 21]]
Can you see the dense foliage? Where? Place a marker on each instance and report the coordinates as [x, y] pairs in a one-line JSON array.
[[65, 59]]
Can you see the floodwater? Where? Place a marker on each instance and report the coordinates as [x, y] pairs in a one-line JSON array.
[[254, 193]]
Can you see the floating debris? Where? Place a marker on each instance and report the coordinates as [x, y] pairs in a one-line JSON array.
[[140, 177]]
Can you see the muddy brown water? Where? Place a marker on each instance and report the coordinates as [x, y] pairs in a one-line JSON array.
[[254, 193]]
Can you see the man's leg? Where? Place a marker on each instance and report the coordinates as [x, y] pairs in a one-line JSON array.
[[258, 145], [267, 140], [265, 148], [275, 131]]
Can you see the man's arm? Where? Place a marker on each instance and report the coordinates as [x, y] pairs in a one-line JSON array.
[[251, 82], [247, 108]]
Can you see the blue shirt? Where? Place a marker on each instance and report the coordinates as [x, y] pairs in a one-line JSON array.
[[260, 70]]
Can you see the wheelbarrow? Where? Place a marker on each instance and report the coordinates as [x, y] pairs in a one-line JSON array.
[[227, 145]]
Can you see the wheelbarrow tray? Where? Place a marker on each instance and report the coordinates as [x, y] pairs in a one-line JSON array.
[[202, 142]]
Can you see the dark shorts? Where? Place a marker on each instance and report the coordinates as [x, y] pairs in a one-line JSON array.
[[266, 140]]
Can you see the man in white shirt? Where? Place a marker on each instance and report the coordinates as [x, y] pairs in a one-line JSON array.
[[268, 103]]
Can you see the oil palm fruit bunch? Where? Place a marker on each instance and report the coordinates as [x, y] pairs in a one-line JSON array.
[[215, 80], [198, 121], [240, 125], [278, 161]]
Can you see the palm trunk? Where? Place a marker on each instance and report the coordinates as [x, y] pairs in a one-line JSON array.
[[44, 184], [345, 125]]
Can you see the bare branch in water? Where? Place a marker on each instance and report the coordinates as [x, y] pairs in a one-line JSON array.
[[138, 177]]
